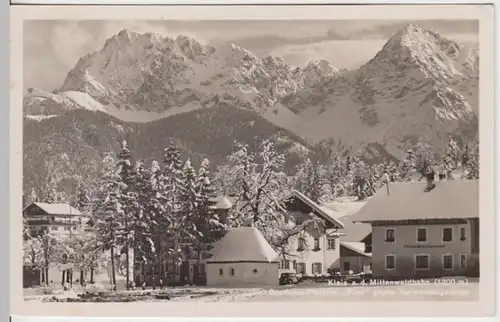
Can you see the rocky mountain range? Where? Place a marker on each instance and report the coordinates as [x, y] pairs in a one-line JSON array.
[[150, 89]]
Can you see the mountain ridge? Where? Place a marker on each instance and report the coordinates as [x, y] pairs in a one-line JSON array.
[[419, 86]]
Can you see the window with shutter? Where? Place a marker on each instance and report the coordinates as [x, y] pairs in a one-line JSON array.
[[448, 262], [316, 244], [390, 235], [463, 261], [462, 233], [421, 235], [331, 243], [422, 262], [447, 234], [390, 262]]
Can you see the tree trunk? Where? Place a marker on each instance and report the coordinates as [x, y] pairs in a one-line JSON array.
[[196, 272], [113, 273], [143, 280], [81, 277], [92, 275], [47, 280], [127, 269], [63, 277], [153, 273]]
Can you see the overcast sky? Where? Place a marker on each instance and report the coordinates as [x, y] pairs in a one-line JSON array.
[[52, 47]]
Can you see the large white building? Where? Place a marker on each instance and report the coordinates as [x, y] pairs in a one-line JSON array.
[[424, 230]]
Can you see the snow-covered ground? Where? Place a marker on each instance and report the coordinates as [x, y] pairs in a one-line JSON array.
[[461, 290], [324, 292]]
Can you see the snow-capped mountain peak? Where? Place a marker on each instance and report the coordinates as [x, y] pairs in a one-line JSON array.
[[425, 49], [152, 73], [418, 84]]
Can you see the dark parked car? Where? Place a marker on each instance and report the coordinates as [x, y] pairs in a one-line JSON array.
[[288, 278]]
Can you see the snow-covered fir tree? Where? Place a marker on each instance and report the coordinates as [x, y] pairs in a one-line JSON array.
[[83, 201], [470, 161], [335, 175], [127, 197], [310, 180], [451, 158], [174, 188], [365, 178], [50, 194], [33, 197], [185, 218], [208, 225], [392, 171], [108, 212], [426, 159], [153, 230], [189, 196], [408, 165], [302, 177]]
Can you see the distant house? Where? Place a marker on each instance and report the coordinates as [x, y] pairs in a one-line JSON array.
[[57, 219], [316, 250], [243, 257], [424, 229]]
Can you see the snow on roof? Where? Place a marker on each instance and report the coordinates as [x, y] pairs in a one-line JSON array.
[[58, 208], [346, 206], [450, 199], [222, 202], [356, 247], [322, 211], [352, 232], [243, 244]]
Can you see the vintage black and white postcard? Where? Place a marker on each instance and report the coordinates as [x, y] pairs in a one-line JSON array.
[[252, 161]]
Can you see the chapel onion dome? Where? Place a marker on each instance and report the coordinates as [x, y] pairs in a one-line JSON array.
[[222, 203]]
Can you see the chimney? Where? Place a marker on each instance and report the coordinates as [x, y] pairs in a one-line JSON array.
[[386, 179], [430, 180]]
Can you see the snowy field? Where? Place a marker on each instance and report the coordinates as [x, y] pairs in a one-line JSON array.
[[461, 290]]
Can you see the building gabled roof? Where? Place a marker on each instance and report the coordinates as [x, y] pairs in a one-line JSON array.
[[357, 247], [449, 199], [57, 208], [321, 211], [243, 244]]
